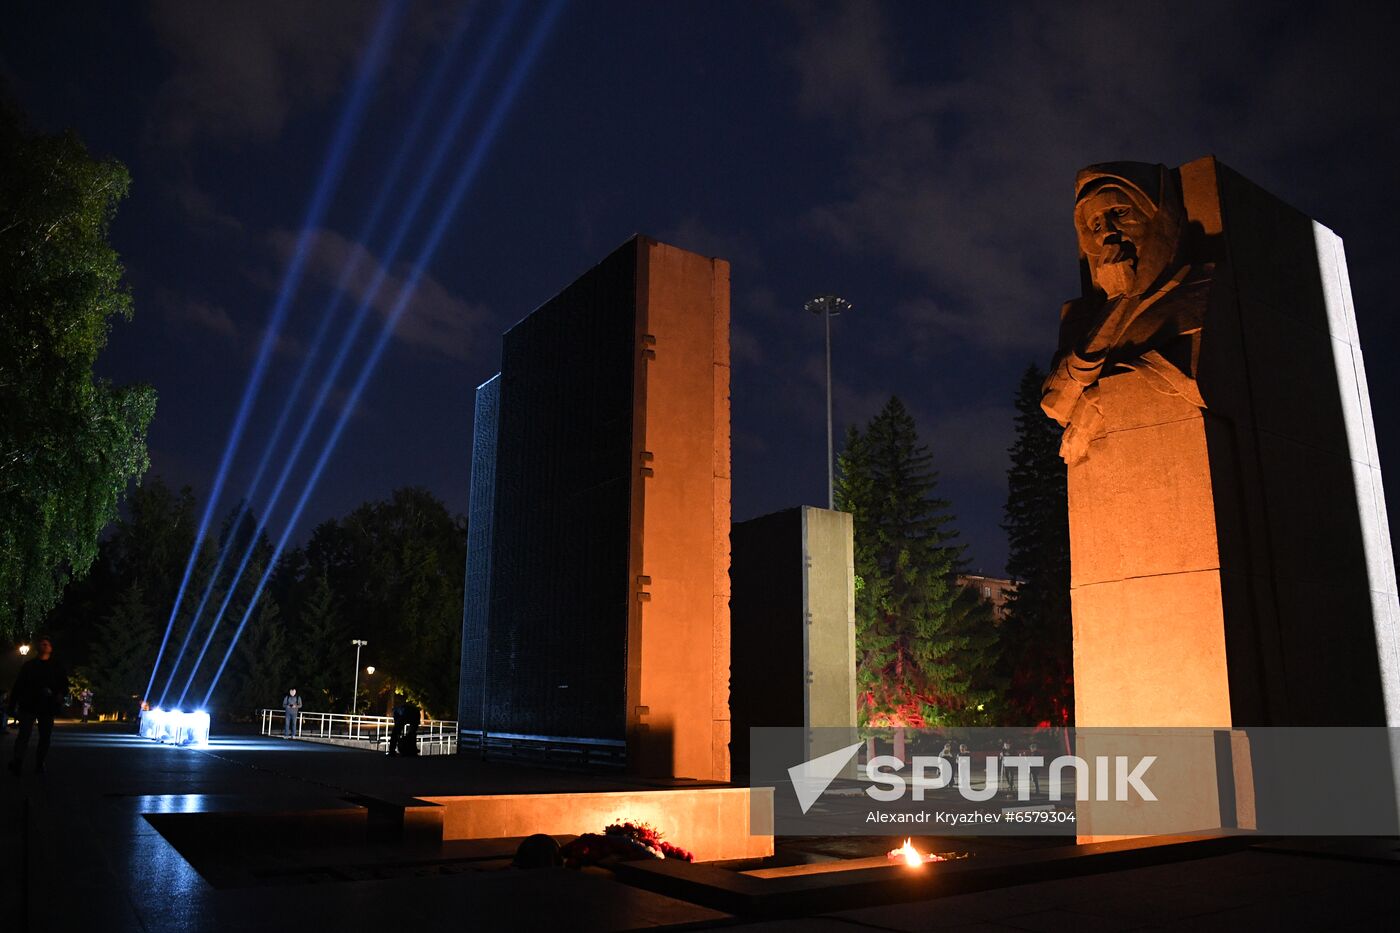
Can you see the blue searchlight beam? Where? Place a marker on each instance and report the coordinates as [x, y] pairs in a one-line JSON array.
[[439, 155], [334, 163], [445, 215], [371, 224]]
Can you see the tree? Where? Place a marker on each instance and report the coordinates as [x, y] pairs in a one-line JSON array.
[[150, 543], [69, 442], [262, 662], [122, 652], [147, 546], [323, 637], [925, 645], [389, 572], [1038, 661]]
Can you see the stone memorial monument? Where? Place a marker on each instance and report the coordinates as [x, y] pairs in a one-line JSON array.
[[1230, 551], [596, 625], [794, 629]]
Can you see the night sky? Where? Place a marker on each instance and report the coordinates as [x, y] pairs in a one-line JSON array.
[[916, 158]]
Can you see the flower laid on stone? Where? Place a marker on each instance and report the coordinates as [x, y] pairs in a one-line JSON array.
[[621, 842]]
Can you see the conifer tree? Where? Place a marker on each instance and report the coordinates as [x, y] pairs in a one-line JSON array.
[[324, 638], [122, 653], [262, 661], [925, 645], [1038, 656]]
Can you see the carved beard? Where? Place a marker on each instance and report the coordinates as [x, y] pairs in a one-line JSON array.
[[1117, 268]]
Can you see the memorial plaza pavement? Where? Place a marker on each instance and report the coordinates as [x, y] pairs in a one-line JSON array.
[[82, 851]]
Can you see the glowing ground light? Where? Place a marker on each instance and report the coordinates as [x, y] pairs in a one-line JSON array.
[[175, 727], [912, 856]]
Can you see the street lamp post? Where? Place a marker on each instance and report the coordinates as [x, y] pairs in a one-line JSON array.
[[828, 306], [355, 690]]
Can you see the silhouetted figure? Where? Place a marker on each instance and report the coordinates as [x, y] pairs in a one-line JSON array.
[[948, 755], [396, 731], [35, 697], [403, 738], [291, 705], [412, 719]]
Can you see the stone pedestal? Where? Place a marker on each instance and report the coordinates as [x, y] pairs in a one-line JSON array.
[[1149, 620], [1231, 561]]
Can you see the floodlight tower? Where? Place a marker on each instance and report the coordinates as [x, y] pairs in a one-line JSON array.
[[828, 306], [355, 690]]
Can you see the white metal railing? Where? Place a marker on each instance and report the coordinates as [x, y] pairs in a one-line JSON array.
[[435, 736]]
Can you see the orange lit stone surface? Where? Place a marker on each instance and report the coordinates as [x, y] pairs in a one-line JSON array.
[[597, 598], [1230, 551], [710, 822], [1149, 629], [678, 677]]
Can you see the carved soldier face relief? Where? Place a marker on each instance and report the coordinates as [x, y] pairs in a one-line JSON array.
[[1130, 219], [1111, 227]]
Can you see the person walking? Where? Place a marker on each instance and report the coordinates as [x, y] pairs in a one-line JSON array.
[[35, 697], [291, 706]]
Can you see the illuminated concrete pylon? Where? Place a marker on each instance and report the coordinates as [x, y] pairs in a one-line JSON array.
[[597, 615]]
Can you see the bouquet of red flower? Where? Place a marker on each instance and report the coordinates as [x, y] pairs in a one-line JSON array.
[[648, 836], [621, 842]]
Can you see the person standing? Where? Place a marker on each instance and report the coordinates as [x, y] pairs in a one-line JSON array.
[[400, 718], [412, 719], [291, 706], [1033, 752], [35, 697]]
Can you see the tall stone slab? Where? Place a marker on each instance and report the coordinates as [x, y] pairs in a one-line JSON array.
[[678, 643], [794, 629], [605, 637], [1230, 551]]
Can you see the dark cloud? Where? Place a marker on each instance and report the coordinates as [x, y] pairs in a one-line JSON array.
[[694, 234], [963, 151], [196, 313], [435, 319], [241, 70], [203, 211]]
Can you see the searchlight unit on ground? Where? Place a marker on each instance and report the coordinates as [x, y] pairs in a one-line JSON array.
[[175, 727]]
